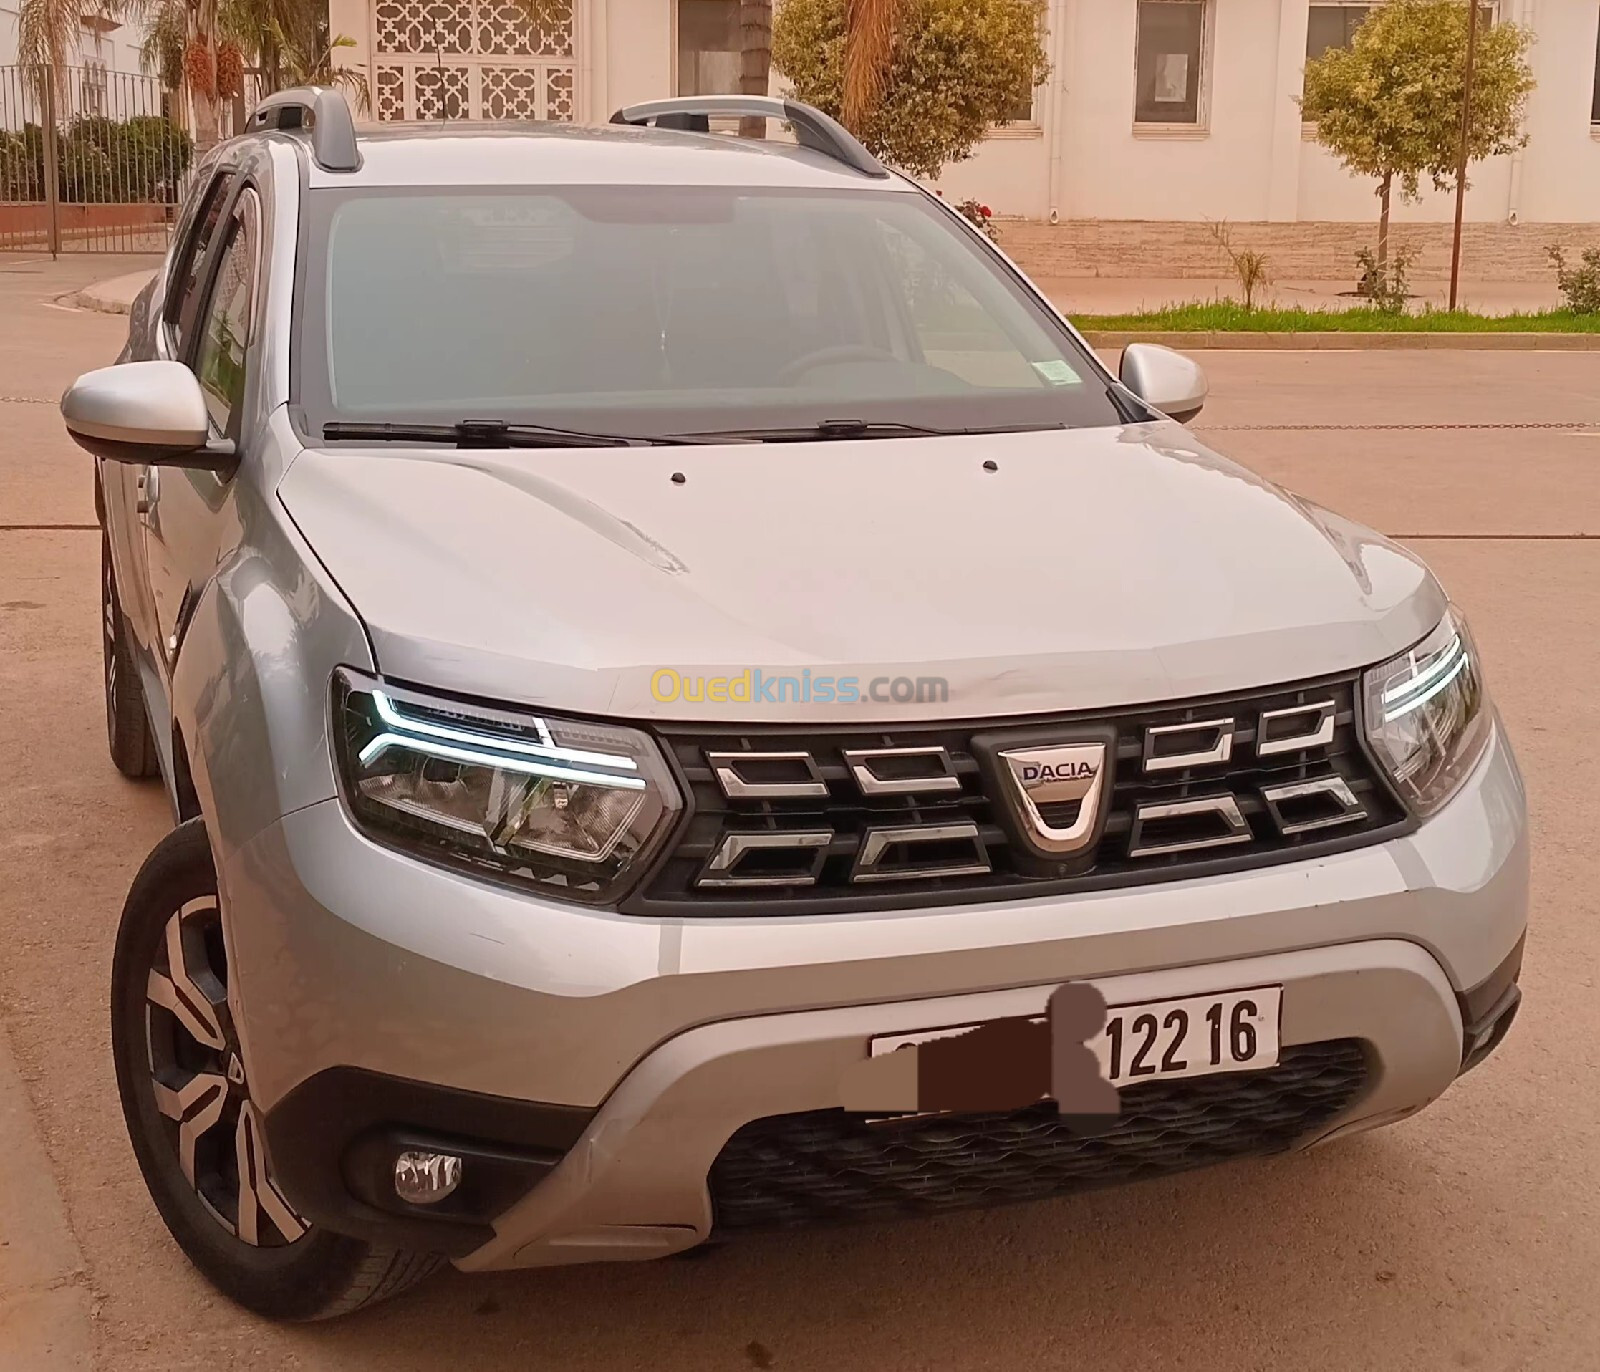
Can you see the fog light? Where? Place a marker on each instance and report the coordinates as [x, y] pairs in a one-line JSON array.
[[426, 1178]]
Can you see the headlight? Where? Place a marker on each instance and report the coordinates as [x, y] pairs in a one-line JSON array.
[[1428, 716], [568, 806]]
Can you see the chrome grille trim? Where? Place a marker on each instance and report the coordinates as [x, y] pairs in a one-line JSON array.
[[1335, 788], [877, 842], [1218, 752], [1318, 737], [1223, 807], [721, 867], [735, 787], [860, 761]]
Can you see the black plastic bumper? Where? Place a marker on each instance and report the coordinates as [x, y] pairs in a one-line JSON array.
[[333, 1140], [1489, 1008]]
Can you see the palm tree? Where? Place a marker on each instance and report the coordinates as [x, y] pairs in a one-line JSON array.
[[291, 45], [755, 58], [47, 32], [868, 49], [180, 43], [869, 46], [200, 47]]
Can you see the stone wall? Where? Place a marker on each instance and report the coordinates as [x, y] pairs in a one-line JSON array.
[[1295, 252]]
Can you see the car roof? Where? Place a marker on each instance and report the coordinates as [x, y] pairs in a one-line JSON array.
[[463, 153]]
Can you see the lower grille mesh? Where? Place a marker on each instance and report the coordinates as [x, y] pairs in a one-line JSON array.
[[825, 1165]]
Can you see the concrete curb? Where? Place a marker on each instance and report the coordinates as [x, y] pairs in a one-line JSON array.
[[115, 296], [1345, 342]]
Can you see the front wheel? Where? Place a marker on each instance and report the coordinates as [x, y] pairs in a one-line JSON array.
[[195, 1130]]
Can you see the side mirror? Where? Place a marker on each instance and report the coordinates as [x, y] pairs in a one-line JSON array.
[[148, 412], [1174, 384]]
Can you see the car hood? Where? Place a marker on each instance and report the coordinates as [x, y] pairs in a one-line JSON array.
[[1088, 568]]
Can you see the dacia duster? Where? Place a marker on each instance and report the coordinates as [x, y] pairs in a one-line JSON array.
[[639, 626]]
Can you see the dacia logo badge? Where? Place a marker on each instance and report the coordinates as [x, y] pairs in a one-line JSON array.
[[1068, 778], [1036, 774]]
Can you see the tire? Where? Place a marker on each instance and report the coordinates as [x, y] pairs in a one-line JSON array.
[[190, 1118], [133, 750]]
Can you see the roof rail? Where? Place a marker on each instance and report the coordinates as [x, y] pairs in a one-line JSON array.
[[322, 112], [812, 128]]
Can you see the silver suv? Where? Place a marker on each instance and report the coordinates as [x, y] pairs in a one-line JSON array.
[[645, 632]]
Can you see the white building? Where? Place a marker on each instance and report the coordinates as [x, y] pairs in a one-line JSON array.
[[103, 76], [1156, 110], [104, 45]]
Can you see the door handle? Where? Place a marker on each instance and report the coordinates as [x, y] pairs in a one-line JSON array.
[[149, 489]]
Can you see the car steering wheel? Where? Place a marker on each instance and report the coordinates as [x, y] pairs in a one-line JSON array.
[[837, 352]]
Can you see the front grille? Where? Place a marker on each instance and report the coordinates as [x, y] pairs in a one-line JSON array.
[[783, 820], [827, 1165]]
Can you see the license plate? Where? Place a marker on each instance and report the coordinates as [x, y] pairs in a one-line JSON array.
[[1228, 1031], [1232, 1031]]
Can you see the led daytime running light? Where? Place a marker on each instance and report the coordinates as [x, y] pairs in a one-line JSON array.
[[472, 757], [1417, 692], [489, 750], [395, 720], [1392, 715], [1422, 678]]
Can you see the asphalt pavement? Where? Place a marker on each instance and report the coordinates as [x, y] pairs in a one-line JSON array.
[[1466, 1237]]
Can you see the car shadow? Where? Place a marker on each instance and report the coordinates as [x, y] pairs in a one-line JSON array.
[[1320, 1253]]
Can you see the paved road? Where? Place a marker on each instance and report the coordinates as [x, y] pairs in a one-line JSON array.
[[1468, 1237]]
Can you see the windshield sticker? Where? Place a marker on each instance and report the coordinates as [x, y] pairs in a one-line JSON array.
[[1057, 372]]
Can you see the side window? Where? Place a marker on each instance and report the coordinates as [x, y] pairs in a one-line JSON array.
[[225, 327], [183, 297]]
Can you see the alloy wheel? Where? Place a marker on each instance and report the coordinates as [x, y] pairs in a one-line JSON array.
[[198, 1076]]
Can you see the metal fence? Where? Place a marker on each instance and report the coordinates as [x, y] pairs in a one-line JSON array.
[[92, 161]]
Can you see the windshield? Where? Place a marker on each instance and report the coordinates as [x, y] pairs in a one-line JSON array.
[[673, 310]]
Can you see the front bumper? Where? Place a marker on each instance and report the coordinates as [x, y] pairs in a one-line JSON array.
[[674, 1034]]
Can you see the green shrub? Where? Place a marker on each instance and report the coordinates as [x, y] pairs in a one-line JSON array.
[[1386, 284], [99, 161], [22, 164], [958, 67], [1580, 284]]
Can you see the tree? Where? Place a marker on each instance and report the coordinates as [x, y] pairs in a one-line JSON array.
[[48, 30], [200, 48], [868, 53], [755, 58], [955, 68], [290, 44], [180, 31], [1389, 105], [180, 44]]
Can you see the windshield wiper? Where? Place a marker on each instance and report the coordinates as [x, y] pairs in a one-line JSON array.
[[487, 433], [836, 429]]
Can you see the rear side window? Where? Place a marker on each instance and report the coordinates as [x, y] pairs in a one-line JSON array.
[[183, 298], [225, 328]]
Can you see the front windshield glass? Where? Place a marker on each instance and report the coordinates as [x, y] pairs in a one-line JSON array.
[[669, 310]]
